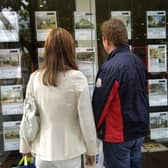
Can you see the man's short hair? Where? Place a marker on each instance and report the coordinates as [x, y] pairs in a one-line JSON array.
[[115, 32]]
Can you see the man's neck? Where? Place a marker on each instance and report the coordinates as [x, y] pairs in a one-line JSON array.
[[111, 49]]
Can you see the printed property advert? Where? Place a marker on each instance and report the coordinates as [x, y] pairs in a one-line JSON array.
[[11, 135], [11, 99], [84, 26], [125, 16], [45, 21], [157, 92], [86, 62], [157, 58], [159, 125], [156, 24], [10, 63], [9, 29]]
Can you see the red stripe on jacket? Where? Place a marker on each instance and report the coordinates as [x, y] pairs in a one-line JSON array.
[[112, 116]]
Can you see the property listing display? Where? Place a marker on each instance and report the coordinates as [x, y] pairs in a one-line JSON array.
[[156, 24], [86, 53], [11, 135], [125, 16], [11, 90], [157, 58], [9, 29], [157, 92], [157, 67], [11, 99], [87, 62], [159, 125], [45, 21], [10, 63], [84, 26]]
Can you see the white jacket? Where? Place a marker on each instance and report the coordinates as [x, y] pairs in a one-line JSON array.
[[67, 127]]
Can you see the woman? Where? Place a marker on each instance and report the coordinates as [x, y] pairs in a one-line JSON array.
[[67, 127]]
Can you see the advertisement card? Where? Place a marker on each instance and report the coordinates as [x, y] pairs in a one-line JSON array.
[[157, 92], [9, 29], [10, 63], [11, 135], [84, 26], [12, 99], [86, 62], [159, 125], [157, 58], [156, 24], [45, 21], [125, 16]]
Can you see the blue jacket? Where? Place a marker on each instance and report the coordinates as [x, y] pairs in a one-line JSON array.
[[120, 101]]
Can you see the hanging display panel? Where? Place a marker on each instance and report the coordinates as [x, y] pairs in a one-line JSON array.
[[45, 21], [9, 29], [156, 24], [12, 99], [84, 26], [11, 135], [86, 62], [10, 63], [158, 125], [158, 92], [157, 58], [125, 16]]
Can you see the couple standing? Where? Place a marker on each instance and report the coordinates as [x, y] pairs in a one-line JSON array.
[[120, 104]]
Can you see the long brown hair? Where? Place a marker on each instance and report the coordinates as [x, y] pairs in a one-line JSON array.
[[59, 51]]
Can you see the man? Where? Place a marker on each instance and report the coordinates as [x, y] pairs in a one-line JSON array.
[[120, 100]]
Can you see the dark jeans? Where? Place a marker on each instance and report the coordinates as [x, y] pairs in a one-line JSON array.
[[123, 155]]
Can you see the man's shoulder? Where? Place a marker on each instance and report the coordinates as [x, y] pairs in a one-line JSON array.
[[115, 63], [108, 67], [108, 71]]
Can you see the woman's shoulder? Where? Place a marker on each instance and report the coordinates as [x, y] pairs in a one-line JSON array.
[[76, 74], [78, 79], [34, 74]]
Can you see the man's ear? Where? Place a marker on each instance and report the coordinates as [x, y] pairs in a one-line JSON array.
[[106, 40]]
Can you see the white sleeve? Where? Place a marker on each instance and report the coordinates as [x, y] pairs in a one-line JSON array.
[[25, 147], [29, 89], [85, 114]]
